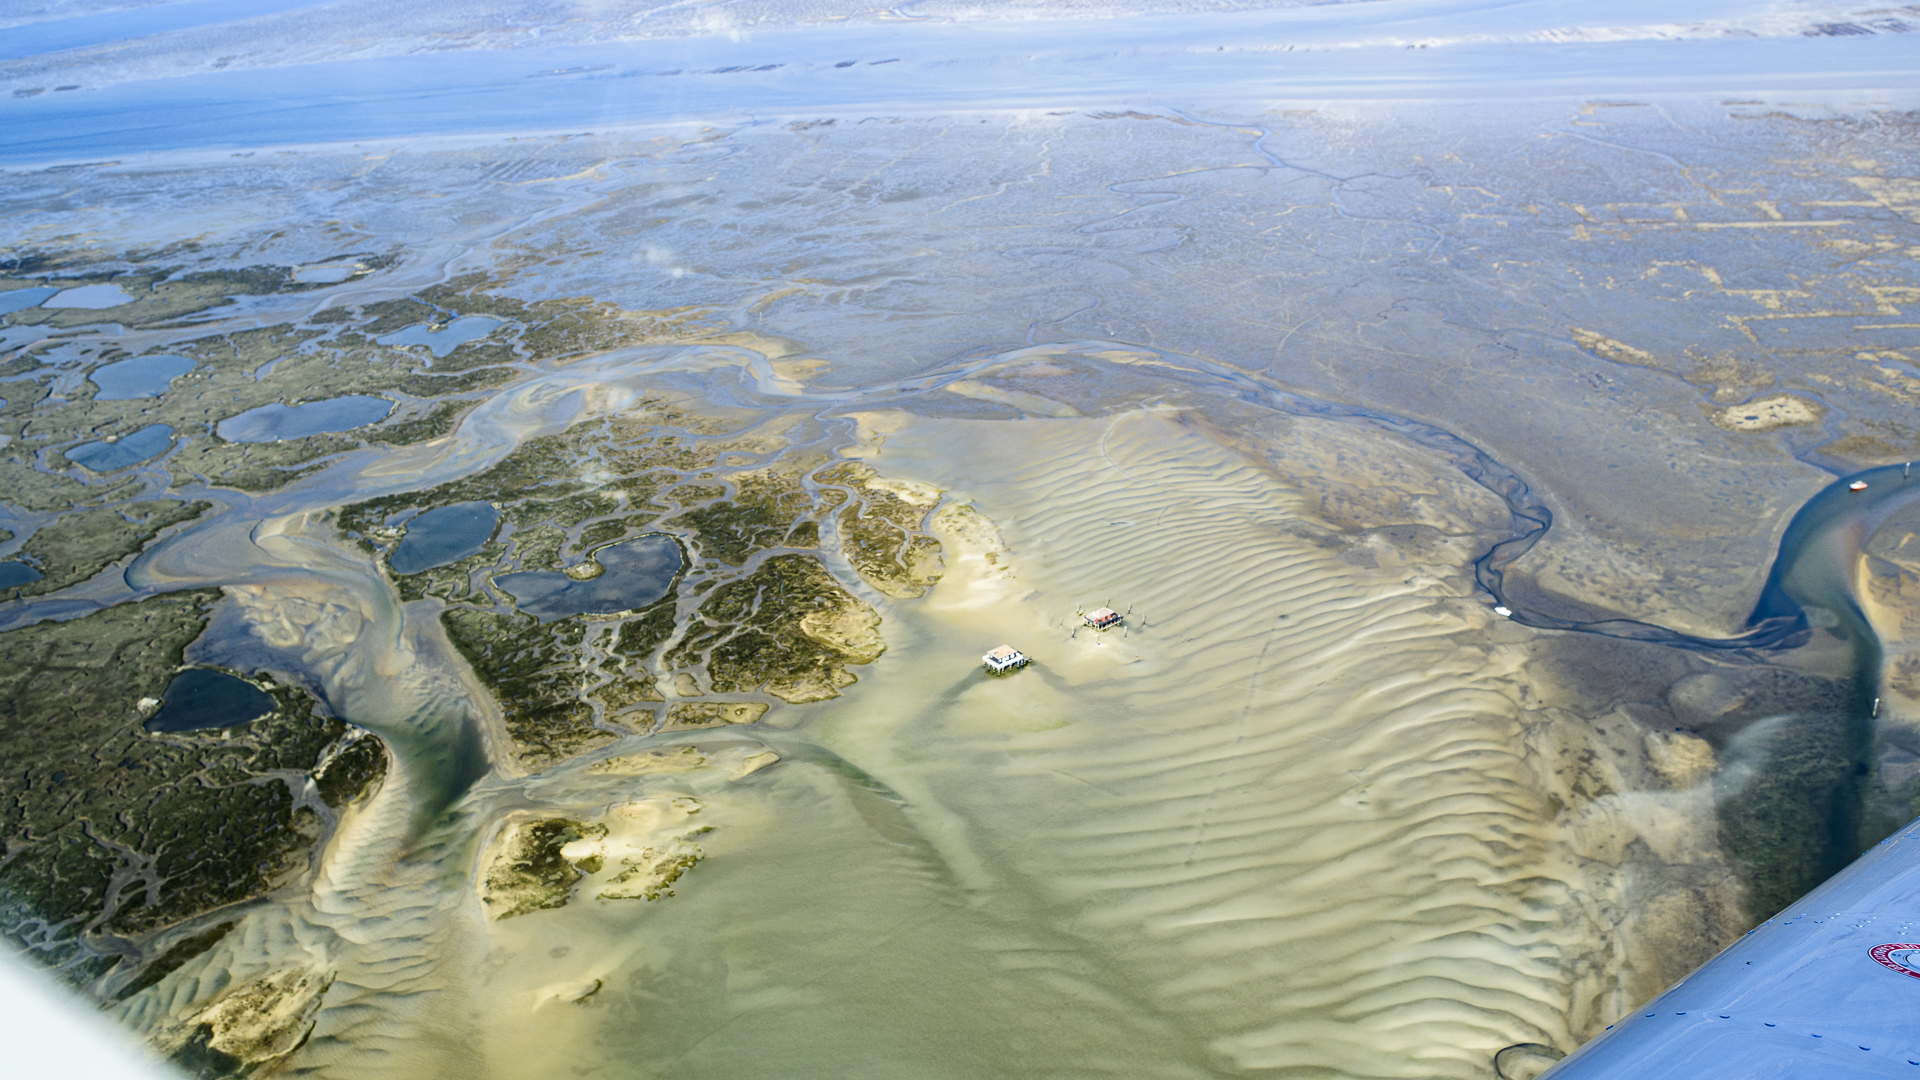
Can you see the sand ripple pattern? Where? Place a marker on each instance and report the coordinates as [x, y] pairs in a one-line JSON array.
[[390, 902], [1303, 832]]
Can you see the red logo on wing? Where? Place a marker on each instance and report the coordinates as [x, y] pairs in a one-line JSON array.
[[1904, 964]]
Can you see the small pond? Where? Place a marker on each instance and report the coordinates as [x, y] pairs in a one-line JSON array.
[[201, 698], [442, 535], [140, 377], [15, 574], [21, 299], [325, 275], [272, 422], [447, 338], [92, 297], [103, 456], [638, 572]]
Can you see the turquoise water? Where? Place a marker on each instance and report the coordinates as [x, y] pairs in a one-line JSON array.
[[150, 441], [271, 423], [638, 572], [443, 535], [140, 377], [201, 698], [447, 338]]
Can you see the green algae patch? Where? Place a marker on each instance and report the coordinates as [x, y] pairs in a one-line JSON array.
[[112, 832], [645, 846], [76, 547], [531, 873], [885, 534], [788, 628], [651, 876], [676, 759]]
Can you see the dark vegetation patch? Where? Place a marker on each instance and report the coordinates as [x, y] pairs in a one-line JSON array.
[[534, 672], [174, 958], [110, 830], [435, 423], [76, 547], [760, 515], [356, 771], [788, 628], [884, 534], [531, 874]]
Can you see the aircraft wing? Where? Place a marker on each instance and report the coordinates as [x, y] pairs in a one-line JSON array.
[[1828, 988]]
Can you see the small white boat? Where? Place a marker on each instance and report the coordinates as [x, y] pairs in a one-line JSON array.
[[1857, 485]]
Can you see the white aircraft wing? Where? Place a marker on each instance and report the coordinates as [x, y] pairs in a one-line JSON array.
[[1829, 988]]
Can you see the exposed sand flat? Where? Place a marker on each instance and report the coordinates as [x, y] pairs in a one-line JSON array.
[[1291, 819], [1300, 822], [1768, 413]]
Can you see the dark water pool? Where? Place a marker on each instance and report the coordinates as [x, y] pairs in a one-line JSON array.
[[15, 574], [447, 338], [148, 442], [201, 698], [21, 299], [270, 422], [638, 572], [140, 377], [442, 535]]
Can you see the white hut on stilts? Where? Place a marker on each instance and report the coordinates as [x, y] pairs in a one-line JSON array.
[[1004, 659]]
